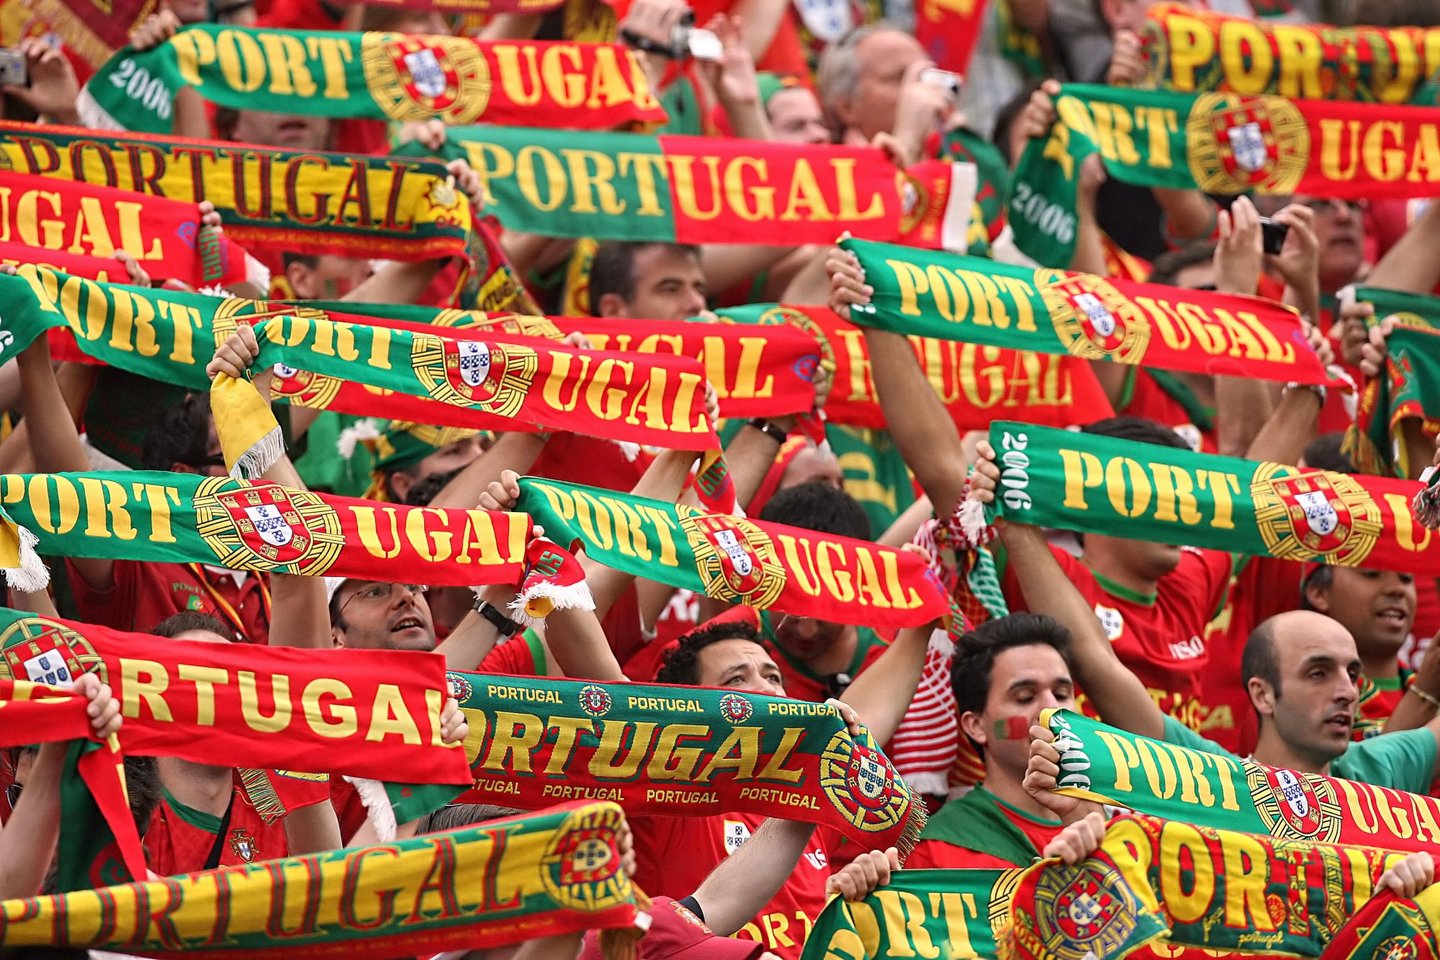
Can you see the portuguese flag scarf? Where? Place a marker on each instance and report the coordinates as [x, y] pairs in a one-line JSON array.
[[1196, 51], [1388, 928], [1051, 311], [1095, 484], [976, 383], [739, 560], [52, 217], [1219, 143], [668, 189], [469, 383], [384, 76], [687, 751], [1101, 763], [487, 885], [271, 201], [1406, 390], [240, 525]]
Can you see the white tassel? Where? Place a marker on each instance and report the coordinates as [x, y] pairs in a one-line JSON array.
[[972, 520], [530, 608], [367, 429], [261, 456], [1351, 397], [377, 806], [628, 449], [32, 576]]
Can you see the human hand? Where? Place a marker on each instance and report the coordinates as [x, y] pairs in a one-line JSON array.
[[847, 282], [236, 355], [155, 30], [861, 876], [53, 88], [1413, 873], [501, 494], [1127, 66], [1239, 252], [103, 709], [1078, 840], [454, 728]]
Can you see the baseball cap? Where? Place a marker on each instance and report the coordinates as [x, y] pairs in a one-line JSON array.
[[676, 932]]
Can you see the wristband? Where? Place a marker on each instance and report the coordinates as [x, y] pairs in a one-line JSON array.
[[1315, 388], [769, 429], [1428, 698], [507, 627]]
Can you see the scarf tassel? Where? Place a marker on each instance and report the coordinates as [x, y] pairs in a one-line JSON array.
[[553, 579], [377, 806], [250, 437], [1426, 504], [24, 570], [623, 943]]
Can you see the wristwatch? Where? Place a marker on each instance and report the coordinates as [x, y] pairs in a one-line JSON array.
[[769, 429], [507, 627]]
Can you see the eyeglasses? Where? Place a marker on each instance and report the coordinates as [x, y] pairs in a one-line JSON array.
[[378, 592]]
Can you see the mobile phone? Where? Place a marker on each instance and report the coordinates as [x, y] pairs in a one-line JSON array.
[[1272, 235], [13, 71], [946, 80]]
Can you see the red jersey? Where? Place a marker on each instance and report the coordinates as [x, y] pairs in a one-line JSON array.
[[673, 855], [146, 593], [941, 854], [523, 655], [179, 839], [1263, 587], [1159, 637], [1143, 397]]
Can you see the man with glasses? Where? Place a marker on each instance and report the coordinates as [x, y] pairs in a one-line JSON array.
[[370, 615]]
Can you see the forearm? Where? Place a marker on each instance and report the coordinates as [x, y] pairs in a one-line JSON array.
[[1189, 215], [54, 438], [400, 282], [579, 645], [474, 636], [312, 829], [745, 881], [28, 844], [1290, 427], [750, 456], [1117, 694], [1089, 256], [510, 451], [747, 118], [903, 530], [882, 693], [919, 422], [1243, 406], [1411, 263]]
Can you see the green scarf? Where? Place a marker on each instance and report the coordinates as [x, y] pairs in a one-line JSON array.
[[975, 822], [1408, 388], [1098, 484]]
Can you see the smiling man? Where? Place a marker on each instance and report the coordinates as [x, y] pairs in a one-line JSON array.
[[370, 615]]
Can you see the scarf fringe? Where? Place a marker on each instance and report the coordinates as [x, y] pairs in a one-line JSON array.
[[31, 576], [261, 456], [628, 449], [531, 607], [1426, 504], [914, 823], [249, 435], [623, 943], [355, 434], [972, 520], [92, 114], [377, 806]]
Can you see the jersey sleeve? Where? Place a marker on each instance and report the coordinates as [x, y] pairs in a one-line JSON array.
[[1182, 736], [521, 656], [1404, 760], [114, 607], [1202, 577]]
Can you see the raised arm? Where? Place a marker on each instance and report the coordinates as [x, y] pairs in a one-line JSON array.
[[922, 428], [1117, 693]]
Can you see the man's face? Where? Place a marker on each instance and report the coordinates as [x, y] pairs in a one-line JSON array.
[[1146, 560], [806, 638], [795, 116], [287, 131], [382, 616], [884, 57], [330, 279], [1340, 229], [453, 456], [741, 665], [669, 285], [1023, 682], [1314, 710], [1377, 607]]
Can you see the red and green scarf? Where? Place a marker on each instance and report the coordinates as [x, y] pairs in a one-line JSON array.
[[1052, 311], [489, 885], [1096, 484], [240, 525], [1196, 51], [668, 189], [92, 32], [1220, 143], [949, 29], [1391, 928], [1107, 765], [50, 218], [739, 560], [976, 383], [271, 201], [1407, 388], [384, 76], [676, 751]]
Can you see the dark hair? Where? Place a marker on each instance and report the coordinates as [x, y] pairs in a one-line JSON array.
[[304, 259], [1166, 268], [1258, 659], [976, 652], [1321, 577], [424, 489], [1138, 429], [612, 269], [1325, 453], [821, 507], [681, 665], [181, 435], [187, 620]]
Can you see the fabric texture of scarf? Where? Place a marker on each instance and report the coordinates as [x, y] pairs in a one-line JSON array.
[[384, 76], [1406, 390], [1052, 311], [487, 885]]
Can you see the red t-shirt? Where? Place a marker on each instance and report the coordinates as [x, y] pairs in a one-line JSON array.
[[673, 856], [179, 839], [1264, 587], [146, 593], [1147, 399], [1158, 637], [523, 655], [940, 854]]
